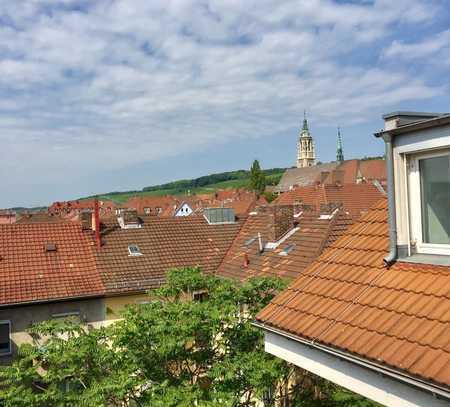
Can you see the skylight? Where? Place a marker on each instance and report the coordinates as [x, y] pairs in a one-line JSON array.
[[287, 249], [134, 250]]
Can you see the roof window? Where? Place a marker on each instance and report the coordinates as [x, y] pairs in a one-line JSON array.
[[429, 181], [287, 249], [134, 250], [50, 247]]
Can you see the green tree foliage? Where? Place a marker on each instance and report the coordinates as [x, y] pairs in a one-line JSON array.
[[169, 352], [257, 178]]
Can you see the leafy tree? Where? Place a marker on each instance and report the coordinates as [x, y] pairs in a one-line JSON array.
[[166, 353], [257, 178]]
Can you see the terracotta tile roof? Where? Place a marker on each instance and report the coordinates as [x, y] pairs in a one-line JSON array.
[[28, 272], [356, 199], [303, 176], [73, 208], [164, 243], [38, 217], [348, 299], [305, 245], [347, 172], [373, 169], [152, 203]]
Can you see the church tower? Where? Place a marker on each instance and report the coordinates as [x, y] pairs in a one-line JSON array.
[[339, 151], [306, 156]]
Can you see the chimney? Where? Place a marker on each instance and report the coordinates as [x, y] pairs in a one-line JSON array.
[[398, 119], [337, 177], [86, 220], [96, 224], [323, 176], [281, 221]]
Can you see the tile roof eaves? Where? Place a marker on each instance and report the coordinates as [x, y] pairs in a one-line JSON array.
[[354, 358], [53, 300]]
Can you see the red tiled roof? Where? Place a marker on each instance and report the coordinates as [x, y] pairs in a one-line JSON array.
[[30, 273], [151, 202], [356, 199], [348, 299], [348, 172], [308, 241], [165, 243], [373, 169]]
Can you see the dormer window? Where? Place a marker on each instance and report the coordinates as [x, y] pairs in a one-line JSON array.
[[429, 178], [134, 250], [147, 211]]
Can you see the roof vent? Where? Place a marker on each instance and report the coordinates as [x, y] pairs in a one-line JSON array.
[[217, 216], [128, 219], [50, 247]]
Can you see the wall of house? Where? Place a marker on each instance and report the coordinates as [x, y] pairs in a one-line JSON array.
[[405, 146], [115, 305], [91, 311]]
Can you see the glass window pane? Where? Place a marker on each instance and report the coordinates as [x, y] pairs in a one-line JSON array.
[[435, 189], [4, 338]]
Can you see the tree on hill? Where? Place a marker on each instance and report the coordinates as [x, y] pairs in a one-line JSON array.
[[257, 178], [170, 352]]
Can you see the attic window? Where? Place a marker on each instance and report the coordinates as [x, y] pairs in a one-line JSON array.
[[147, 211], [50, 247], [200, 296], [288, 248], [134, 250]]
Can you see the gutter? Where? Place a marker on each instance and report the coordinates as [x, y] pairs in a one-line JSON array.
[[392, 219], [383, 370]]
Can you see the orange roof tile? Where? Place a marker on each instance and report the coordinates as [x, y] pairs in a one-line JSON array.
[[305, 245], [348, 299], [356, 199], [164, 243], [30, 273]]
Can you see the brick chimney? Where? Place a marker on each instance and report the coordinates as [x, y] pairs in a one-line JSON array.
[[86, 220], [323, 176], [281, 221], [337, 177]]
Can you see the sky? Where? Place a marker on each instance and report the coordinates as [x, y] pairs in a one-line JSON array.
[[105, 95]]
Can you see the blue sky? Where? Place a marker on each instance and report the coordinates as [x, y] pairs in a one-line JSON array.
[[106, 95]]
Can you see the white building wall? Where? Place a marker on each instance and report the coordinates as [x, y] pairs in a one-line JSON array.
[[380, 388], [405, 146], [185, 210]]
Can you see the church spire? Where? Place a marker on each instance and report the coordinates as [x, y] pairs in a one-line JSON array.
[[339, 151], [306, 156], [305, 122]]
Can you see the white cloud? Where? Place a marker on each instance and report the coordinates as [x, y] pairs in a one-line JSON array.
[[108, 83], [422, 49]]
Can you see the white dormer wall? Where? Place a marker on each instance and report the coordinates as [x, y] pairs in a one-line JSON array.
[[407, 148], [184, 210]]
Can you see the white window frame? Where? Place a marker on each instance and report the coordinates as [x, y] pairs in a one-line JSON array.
[[9, 352], [415, 200]]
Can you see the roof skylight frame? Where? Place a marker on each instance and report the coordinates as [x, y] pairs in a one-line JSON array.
[[134, 251]]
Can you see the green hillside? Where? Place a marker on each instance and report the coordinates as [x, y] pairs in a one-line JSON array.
[[202, 185]]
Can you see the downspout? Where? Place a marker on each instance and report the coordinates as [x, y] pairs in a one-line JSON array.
[[392, 219]]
